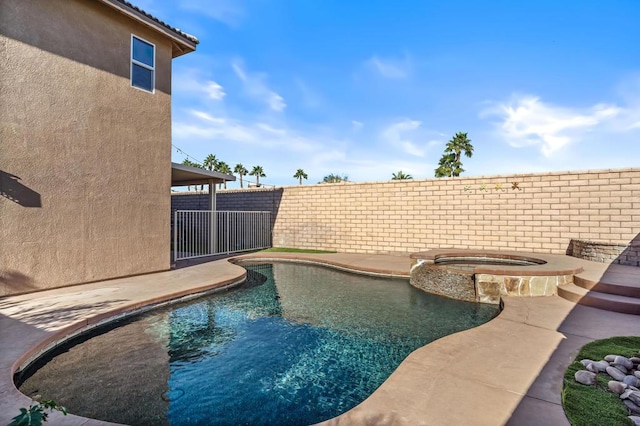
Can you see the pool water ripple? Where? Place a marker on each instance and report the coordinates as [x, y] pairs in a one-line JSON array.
[[295, 345]]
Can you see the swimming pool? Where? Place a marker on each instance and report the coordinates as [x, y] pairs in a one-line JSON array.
[[296, 344]]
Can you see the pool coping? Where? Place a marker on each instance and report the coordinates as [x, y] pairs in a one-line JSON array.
[[553, 264], [535, 332]]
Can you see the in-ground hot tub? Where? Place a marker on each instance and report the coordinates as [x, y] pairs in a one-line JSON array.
[[469, 263], [485, 276]]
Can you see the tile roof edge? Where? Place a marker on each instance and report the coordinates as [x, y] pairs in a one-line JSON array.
[[136, 10]]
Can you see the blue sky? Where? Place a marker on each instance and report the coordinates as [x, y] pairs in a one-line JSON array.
[[365, 89]]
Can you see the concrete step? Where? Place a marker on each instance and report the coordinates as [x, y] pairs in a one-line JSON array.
[[612, 279], [596, 299], [622, 285]]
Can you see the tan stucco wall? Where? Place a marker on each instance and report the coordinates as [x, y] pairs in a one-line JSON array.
[[89, 155]]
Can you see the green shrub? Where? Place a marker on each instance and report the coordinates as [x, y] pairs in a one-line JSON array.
[[36, 414]]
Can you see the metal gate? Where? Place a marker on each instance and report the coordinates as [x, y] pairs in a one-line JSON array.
[[198, 233]]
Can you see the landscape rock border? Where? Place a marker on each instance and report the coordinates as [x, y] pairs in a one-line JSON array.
[[625, 373]]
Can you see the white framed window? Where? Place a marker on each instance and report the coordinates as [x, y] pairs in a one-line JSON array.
[[143, 64]]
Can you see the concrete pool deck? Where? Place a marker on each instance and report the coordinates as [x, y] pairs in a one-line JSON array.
[[507, 371]]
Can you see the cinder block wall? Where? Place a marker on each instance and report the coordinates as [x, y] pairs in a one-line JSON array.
[[255, 199], [542, 213], [190, 201]]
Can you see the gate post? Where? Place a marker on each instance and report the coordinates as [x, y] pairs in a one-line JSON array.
[[175, 235], [213, 226]]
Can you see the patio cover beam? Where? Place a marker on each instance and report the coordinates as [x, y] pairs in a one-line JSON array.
[[182, 175]]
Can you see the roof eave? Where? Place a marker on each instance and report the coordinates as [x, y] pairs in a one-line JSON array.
[[180, 44]]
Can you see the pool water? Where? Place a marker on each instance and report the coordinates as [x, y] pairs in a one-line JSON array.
[[295, 345]]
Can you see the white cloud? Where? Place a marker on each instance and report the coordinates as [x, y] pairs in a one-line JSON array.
[[398, 135], [528, 121], [276, 102], [213, 128], [191, 80], [255, 86], [356, 125], [207, 117], [629, 91], [434, 142], [279, 148], [309, 97], [229, 130], [390, 68], [270, 129], [237, 68], [214, 90]]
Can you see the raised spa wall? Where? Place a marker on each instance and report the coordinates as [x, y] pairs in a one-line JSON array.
[[446, 280], [606, 252]]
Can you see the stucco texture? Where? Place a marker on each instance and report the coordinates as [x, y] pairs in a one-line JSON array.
[[85, 166]]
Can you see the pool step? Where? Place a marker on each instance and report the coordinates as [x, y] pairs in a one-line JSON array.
[[596, 299]]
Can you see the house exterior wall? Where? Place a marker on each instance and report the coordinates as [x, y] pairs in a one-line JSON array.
[[542, 214], [85, 163]]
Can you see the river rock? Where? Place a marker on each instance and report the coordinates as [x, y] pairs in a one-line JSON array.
[[635, 359], [630, 380], [585, 377], [615, 373], [631, 406], [635, 397], [610, 358], [586, 362], [626, 394], [617, 387], [635, 420], [600, 366], [622, 368], [637, 374], [623, 361]]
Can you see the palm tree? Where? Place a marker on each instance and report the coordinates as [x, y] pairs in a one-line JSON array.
[[258, 173], [445, 166], [300, 174], [401, 176], [450, 162], [211, 162], [224, 168], [460, 143], [334, 178], [241, 171], [190, 163]]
